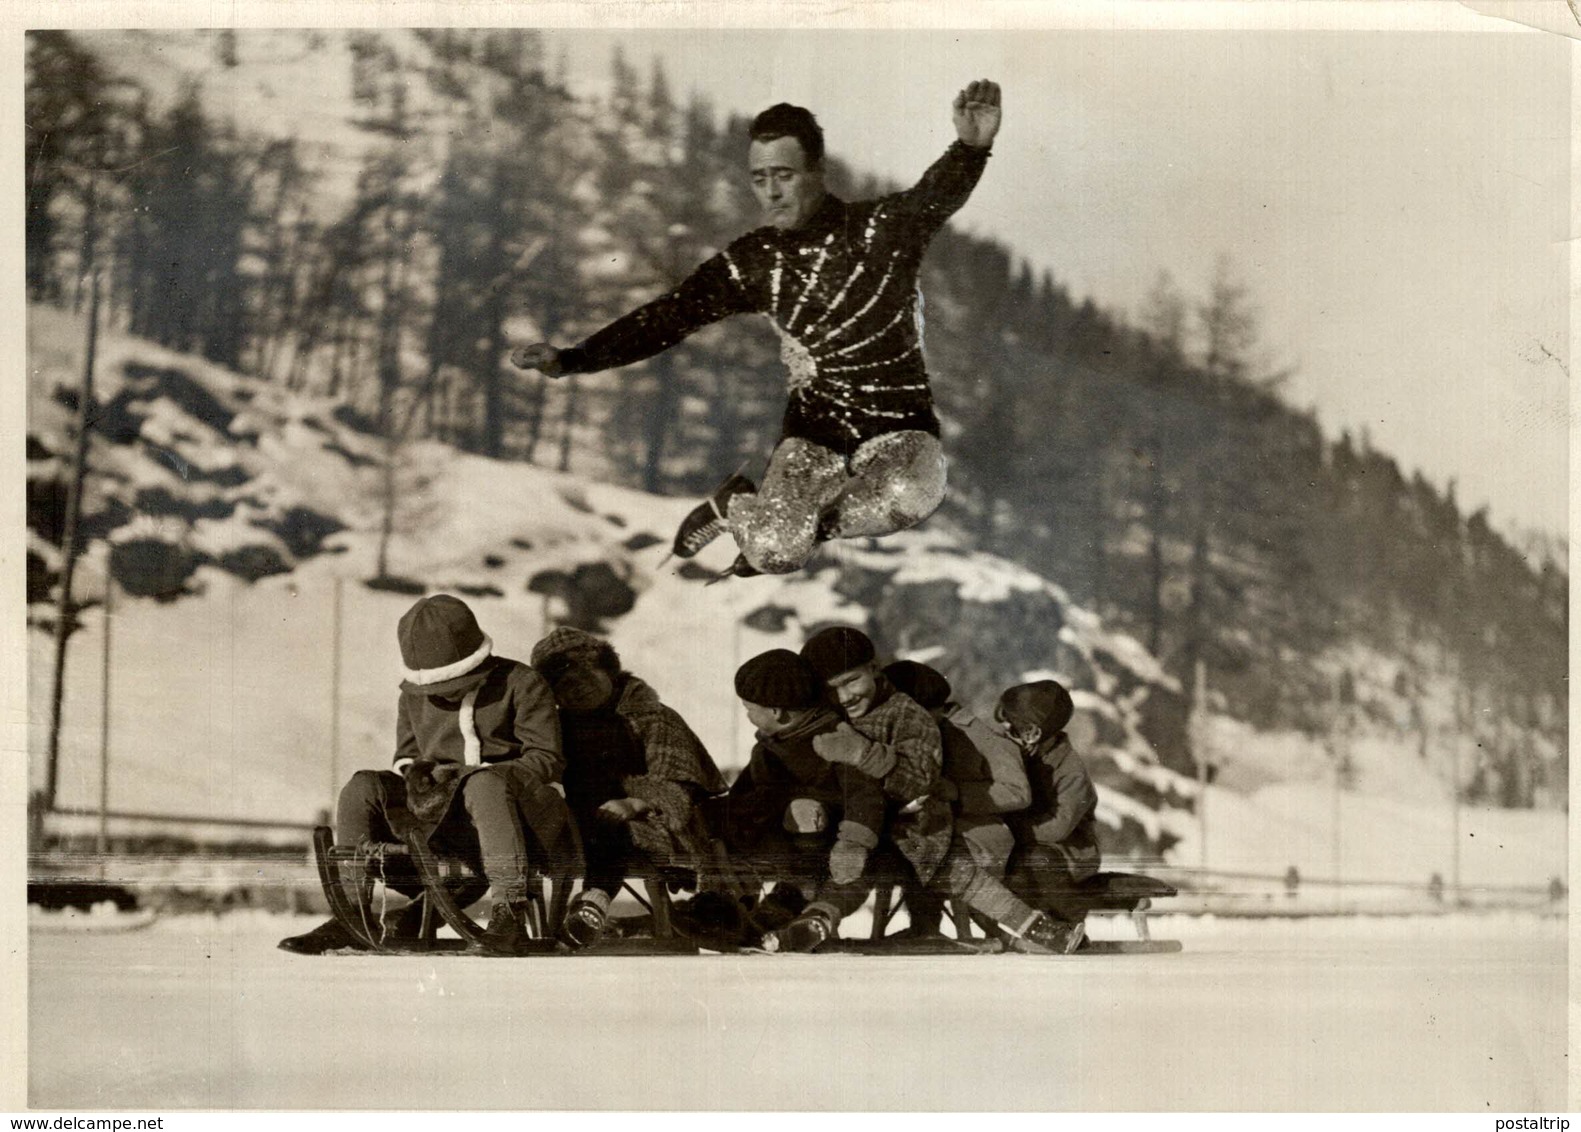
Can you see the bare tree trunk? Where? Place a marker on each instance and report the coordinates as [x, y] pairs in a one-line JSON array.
[[90, 237], [1196, 611], [568, 423], [727, 427], [1156, 503], [661, 419], [68, 544], [535, 418], [387, 500]]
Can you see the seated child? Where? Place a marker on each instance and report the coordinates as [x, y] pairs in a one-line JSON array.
[[791, 815], [1057, 835], [888, 735], [636, 775], [983, 772], [476, 767]]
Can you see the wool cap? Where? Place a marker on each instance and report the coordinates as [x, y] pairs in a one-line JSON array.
[[778, 679], [928, 686], [1043, 703], [566, 645], [837, 649], [442, 647]]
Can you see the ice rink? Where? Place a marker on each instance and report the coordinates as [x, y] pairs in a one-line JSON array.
[[1461, 1013]]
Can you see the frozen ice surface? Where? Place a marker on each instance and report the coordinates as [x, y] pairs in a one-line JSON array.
[[1456, 1013]]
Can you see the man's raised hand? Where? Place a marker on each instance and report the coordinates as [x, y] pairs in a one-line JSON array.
[[977, 113], [539, 356]]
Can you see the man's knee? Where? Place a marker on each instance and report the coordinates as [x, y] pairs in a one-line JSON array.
[[776, 541], [902, 480], [918, 488]]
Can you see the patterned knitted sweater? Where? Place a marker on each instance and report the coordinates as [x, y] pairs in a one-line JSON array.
[[902, 726], [841, 290]]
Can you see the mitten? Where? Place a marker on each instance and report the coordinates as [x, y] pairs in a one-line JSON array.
[[401, 822], [429, 788], [849, 856], [845, 744], [877, 761], [618, 811], [804, 815]]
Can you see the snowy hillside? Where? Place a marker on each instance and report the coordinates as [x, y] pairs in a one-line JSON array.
[[238, 506], [238, 510]]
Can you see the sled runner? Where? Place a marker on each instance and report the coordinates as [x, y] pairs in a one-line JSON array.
[[1130, 894], [1105, 893], [349, 876]]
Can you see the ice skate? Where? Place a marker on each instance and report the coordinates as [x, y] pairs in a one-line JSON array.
[[706, 521]]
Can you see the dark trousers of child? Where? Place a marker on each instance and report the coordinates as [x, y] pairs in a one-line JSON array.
[[989, 843], [1044, 877], [803, 860], [611, 857], [500, 818]]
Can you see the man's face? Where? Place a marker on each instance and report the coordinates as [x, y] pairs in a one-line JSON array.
[[855, 690], [785, 186]]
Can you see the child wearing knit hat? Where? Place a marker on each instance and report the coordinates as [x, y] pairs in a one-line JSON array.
[[635, 774], [791, 813], [477, 752], [1057, 835]]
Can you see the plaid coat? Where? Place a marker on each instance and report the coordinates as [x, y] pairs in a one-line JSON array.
[[679, 774], [903, 727]]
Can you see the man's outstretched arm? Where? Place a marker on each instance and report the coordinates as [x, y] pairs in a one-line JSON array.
[[949, 181], [707, 295]]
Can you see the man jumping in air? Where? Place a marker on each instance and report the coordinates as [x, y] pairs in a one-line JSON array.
[[860, 454]]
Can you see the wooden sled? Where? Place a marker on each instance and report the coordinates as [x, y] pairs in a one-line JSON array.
[[1132, 895], [349, 877]]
